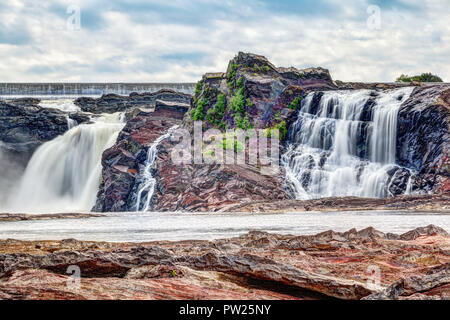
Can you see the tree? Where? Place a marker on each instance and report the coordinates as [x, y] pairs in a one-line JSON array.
[[424, 77]]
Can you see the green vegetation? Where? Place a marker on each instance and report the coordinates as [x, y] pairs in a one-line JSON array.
[[231, 76], [197, 113], [173, 273], [198, 88], [237, 105], [214, 116], [237, 101], [282, 129], [424, 77], [232, 144], [295, 104]]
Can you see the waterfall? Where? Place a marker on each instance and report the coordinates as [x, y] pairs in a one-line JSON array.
[[63, 175], [67, 105], [148, 182], [343, 143]]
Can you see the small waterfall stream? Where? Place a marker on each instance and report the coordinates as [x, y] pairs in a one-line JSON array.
[[63, 175], [146, 187], [343, 144]]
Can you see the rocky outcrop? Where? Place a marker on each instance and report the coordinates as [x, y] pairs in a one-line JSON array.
[[423, 137], [123, 163], [253, 93], [47, 216], [258, 265], [372, 85], [264, 90], [406, 202], [111, 103], [269, 96], [432, 286], [24, 125]]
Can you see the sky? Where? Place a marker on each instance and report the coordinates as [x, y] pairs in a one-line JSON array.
[[179, 41]]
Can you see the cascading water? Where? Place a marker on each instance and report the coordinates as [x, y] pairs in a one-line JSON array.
[[63, 175], [343, 144], [146, 187]]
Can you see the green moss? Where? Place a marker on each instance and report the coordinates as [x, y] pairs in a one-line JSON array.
[[295, 104], [282, 129], [198, 88], [214, 116], [232, 144], [198, 113], [231, 75]]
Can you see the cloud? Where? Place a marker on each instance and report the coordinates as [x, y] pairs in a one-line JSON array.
[[137, 40]]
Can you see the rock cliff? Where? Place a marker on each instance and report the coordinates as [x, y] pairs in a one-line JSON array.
[[423, 137], [255, 94], [252, 94], [124, 161]]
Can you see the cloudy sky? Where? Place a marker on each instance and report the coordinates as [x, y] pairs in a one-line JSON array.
[[178, 40]]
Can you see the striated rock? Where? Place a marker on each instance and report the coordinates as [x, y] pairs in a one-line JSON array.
[[266, 93], [423, 137], [24, 127], [257, 265], [372, 85], [432, 286], [406, 202], [27, 217], [111, 103], [124, 161]]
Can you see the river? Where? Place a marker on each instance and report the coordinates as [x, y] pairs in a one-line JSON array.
[[153, 226]]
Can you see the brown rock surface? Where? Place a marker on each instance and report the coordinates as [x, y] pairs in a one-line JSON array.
[[439, 202], [257, 265]]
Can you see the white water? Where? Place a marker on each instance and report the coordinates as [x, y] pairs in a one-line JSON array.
[[148, 181], [63, 175], [62, 104], [339, 148]]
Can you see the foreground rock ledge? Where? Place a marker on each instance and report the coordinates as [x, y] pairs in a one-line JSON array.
[[350, 265]]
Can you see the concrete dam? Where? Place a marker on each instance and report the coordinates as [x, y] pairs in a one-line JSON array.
[[87, 89]]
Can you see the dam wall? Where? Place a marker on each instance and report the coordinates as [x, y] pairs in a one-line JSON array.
[[88, 89]]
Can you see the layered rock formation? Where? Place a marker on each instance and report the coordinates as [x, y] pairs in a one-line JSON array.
[[439, 202], [423, 137], [123, 163], [111, 103], [24, 125], [252, 94], [344, 265]]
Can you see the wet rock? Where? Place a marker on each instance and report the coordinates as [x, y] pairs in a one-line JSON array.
[[398, 181], [423, 136], [111, 103], [24, 127], [123, 162]]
